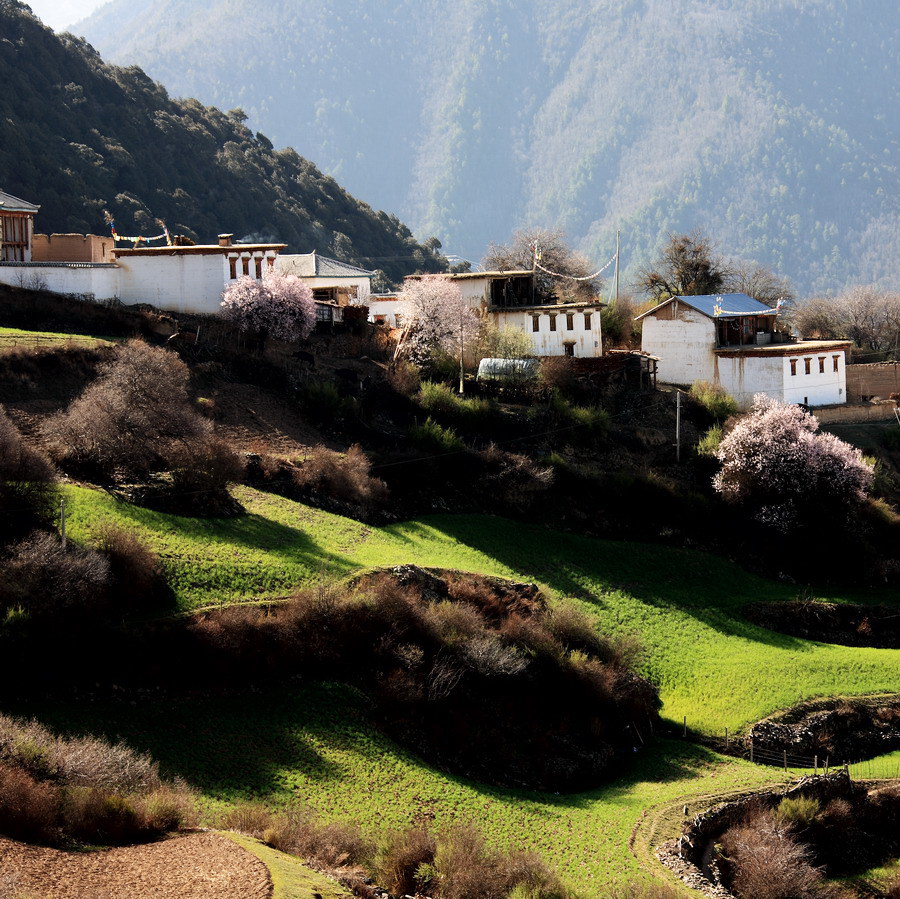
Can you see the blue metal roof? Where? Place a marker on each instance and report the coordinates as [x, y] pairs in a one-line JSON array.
[[730, 303]]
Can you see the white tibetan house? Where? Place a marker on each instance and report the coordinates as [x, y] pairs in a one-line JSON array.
[[510, 300], [190, 279], [732, 340]]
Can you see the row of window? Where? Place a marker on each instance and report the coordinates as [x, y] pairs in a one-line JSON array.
[[256, 262], [570, 321], [808, 364]]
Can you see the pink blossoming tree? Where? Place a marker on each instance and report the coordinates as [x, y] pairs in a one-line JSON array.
[[279, 306], [776, 460], [436, 317]]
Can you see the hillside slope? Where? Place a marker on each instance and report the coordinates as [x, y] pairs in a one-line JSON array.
[[79, 137], [766, 122]]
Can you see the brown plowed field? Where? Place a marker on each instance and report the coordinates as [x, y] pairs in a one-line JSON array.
[[195, 866]]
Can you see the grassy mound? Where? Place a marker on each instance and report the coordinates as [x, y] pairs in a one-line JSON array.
[[684, 607]]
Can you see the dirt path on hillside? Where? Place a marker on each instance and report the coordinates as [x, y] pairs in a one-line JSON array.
[[195, 866]]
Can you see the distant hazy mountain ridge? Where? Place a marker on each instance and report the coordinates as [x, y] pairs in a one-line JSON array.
[[80, 137], [769, 123]]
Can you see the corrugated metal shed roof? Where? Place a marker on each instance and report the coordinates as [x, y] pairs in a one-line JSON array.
[[313, 265], [9, 203], [732, 304]]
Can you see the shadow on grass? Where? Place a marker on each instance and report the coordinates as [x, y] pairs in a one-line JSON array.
[[706, 587], [229, 747], [259, 745]]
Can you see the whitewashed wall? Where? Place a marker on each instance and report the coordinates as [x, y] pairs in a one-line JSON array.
[[816, 388], [93, 280], [587, 342], [745, 376], [176, 283], [684, 346], [390, 309]]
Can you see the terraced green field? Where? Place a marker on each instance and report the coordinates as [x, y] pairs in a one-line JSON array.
[[712, 666], [12, 338], [316, 743]]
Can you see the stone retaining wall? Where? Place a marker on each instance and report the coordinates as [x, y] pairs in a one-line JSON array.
[[687, 855]]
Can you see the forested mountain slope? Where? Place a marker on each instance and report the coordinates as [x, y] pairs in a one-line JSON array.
[[771, 124], [79, 137]]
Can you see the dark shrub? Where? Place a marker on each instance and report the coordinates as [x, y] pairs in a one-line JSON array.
[[345, 477], [79, 761], [44, 579], [203, 465], [576, 631], [558, 374], [137, 418], [168, 809], [514, 479], [406, 862], [27, 483], [135, 570], [98, 817], [767, 862], [130, 416], [454, 664], [28, 809]]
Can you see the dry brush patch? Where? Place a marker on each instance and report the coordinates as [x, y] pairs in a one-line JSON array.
[[56, 790], [456, 664], [137, 421]]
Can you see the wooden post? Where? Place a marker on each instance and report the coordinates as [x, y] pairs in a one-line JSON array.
[[785, 761], [617, 265], [678, 426], [816, 765]]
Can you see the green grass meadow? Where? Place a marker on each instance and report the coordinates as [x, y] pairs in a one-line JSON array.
[[14, 338], [316, 743], [711, 665]]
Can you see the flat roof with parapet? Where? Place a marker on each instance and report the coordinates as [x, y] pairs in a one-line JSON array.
[[795, 348], [198, 249], [461, 276], [550, 307]]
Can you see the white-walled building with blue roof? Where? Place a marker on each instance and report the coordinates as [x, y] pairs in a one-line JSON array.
[[733, 340]]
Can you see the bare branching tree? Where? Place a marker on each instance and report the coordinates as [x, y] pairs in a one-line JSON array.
[[759, 282], [555, 255], [687, 266], [868, 316]]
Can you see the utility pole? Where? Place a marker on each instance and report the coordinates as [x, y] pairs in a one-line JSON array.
[[62, 522], [617, 265], [677, 425], [462, 373]]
